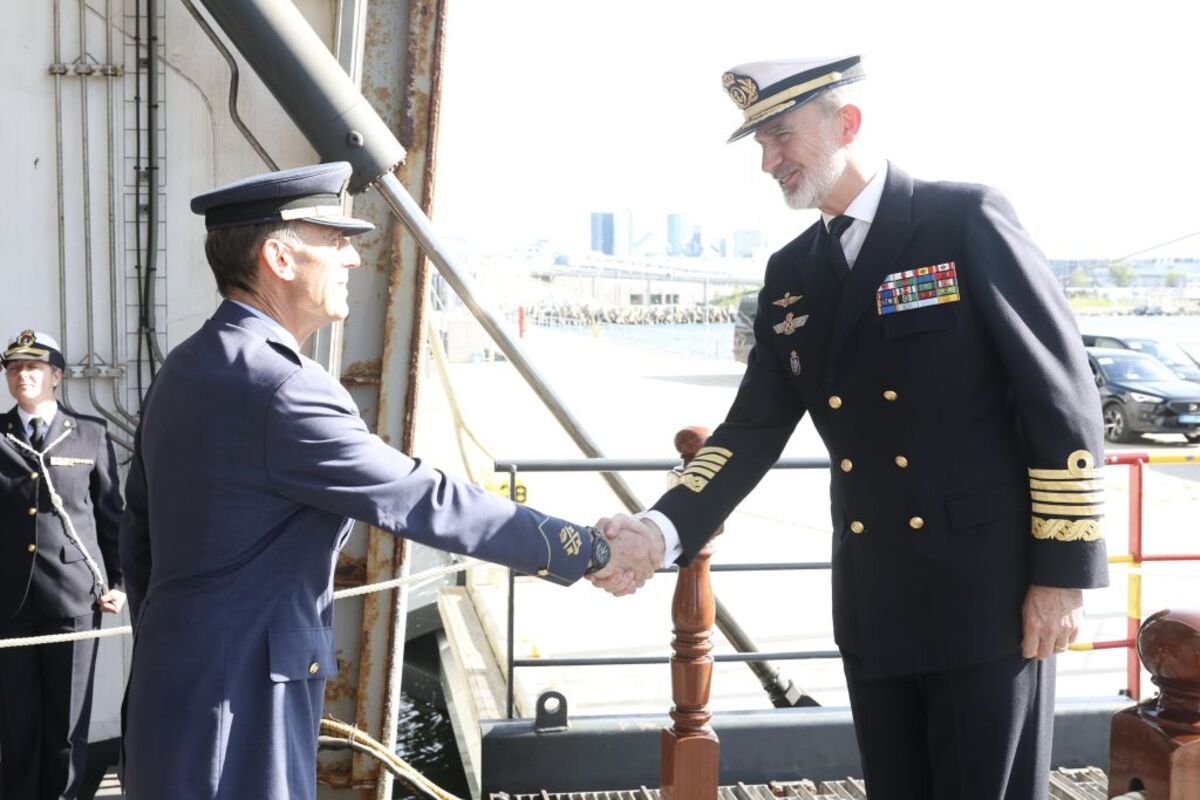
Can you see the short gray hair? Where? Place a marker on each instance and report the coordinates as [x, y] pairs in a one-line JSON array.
[[233, 252], [846, 94]]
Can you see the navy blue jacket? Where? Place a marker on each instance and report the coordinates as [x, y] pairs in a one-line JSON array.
[[250, 463], [965, 435], [40, 566]]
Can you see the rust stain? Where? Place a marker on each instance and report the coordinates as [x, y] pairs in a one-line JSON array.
[[361, 373], [341, 687], [349, 572]]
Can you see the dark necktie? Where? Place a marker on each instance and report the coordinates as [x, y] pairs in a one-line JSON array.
[[837, 256], [38, 437]]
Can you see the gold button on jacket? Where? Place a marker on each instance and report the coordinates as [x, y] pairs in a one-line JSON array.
[[857, 526], [313, 667], [847, 465], [32, 548], [916, 523], [890, 395], [835, 402], [33, 512], [901, 462]]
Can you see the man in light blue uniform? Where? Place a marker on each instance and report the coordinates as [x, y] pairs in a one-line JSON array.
[[250, 462]]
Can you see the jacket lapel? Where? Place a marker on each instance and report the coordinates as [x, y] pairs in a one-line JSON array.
[[61, 424], [889, 233], [11, 423]]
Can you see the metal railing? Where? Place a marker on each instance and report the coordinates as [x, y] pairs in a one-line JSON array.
[[512, 468], [1136, 462]]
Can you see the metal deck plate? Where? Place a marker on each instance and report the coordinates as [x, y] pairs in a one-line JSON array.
[[1065, 784]]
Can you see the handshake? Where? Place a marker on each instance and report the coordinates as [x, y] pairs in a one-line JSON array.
[[636, 548]]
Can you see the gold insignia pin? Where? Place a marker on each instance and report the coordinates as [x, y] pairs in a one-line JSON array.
[[741, 88], [791, 323], [571, 541], [26, 338], [787, 299]]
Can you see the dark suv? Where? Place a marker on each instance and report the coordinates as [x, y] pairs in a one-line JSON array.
[[1171, 354], [1139, 394]]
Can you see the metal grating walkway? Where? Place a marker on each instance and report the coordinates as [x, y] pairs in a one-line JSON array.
[[1066, 784]]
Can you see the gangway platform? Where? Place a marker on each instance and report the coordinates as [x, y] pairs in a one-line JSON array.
[[1065, 784]]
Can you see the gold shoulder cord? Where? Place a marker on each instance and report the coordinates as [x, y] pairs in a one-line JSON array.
[[57, 503]]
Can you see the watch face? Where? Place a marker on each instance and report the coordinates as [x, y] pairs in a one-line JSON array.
[[600, 551]]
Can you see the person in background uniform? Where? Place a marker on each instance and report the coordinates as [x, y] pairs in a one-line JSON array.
[[250, 463], [925, 335], [60, 510]]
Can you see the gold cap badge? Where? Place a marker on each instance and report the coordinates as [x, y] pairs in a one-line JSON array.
[[741, 88]]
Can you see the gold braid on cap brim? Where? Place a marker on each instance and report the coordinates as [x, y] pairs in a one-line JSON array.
[[1068, 504]]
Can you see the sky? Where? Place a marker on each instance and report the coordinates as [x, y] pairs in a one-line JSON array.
[[1084, 113]]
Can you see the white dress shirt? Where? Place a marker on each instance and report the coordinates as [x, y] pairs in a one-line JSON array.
[[862, 208], [48, 412]]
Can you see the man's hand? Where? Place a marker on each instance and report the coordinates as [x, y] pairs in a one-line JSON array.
[[111, 602], [1051, 620], [637, 550]]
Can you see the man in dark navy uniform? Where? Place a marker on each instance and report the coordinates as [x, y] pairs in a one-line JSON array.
[[250, 462], [926, 336], [60, 509]]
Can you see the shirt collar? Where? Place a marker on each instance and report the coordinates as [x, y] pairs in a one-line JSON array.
[[864, 206], [47, 415], [282, 333]]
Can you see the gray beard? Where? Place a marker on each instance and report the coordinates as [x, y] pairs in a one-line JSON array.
[[817, 184]]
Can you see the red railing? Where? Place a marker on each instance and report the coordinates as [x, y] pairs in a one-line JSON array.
[[1136, 462]]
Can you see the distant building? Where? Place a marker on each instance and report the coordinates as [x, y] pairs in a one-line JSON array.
[[748, 244], [675, 224], [612, 232], [602, 232]]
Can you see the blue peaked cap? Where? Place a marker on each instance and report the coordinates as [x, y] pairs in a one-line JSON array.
[[306, 194]]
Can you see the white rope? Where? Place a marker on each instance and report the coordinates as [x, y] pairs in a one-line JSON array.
[[57, 503], [428, 576]]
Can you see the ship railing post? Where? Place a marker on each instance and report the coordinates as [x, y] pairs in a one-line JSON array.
[[1133, 611], [690, 749]]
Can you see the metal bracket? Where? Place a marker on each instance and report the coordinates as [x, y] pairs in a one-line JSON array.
[[551, 712], [95, 372]]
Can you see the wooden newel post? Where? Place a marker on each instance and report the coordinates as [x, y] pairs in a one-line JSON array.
[[1154, 747], [690, 749]]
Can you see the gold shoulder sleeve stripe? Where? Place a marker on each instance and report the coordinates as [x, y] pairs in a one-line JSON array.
[[1080, 464], [1068, 530], [721, 451], [1068, 497], [701, 469], [1069, 486], [709, 458], [1067, 511]]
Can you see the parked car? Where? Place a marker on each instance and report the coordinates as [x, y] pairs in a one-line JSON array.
[[1139, 394], [743, 326], [1171, 354]]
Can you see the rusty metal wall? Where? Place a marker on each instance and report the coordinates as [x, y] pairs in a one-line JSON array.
[[381, 350]]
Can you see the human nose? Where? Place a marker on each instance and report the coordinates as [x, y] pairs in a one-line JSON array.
[[352, 259], [770, 159]]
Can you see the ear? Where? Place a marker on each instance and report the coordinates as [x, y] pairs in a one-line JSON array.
[[277, 258], [57, 374], [849, 120]]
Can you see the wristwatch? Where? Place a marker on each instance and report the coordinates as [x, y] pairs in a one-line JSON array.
[[600, 552]]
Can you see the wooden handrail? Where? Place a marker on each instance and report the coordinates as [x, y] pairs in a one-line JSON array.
[[690, 749]]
